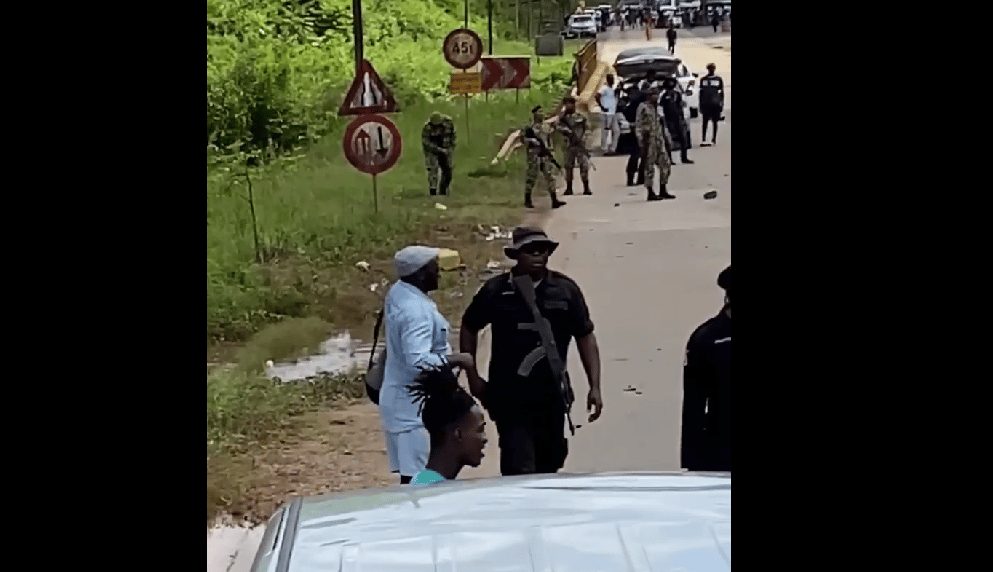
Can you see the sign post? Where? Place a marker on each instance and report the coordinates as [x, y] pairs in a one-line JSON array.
[[372, 144], [462, 49]]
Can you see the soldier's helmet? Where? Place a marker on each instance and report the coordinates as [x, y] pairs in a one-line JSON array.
[[436, 118]]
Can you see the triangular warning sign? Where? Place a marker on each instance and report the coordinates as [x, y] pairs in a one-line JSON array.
[[367, 94]]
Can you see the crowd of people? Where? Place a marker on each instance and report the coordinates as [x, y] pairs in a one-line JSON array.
[[434, 427]]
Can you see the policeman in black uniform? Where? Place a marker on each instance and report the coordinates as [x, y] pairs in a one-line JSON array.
[[671, 102], [706, 440], [522, 397], [711, 101], [635, 97]]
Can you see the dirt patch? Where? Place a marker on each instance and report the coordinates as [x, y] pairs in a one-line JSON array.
[[329, 450]]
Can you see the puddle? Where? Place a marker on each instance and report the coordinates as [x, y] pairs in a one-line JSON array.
[[338, 354]]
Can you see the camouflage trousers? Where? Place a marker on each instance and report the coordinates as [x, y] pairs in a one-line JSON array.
[[439, 169], [656, 155], [573, 156], [538, 167]]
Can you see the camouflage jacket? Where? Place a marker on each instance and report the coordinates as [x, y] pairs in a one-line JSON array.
[[573, 126], [541, 130], [437, 138], [648, 127]]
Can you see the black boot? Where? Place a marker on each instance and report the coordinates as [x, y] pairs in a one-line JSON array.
[[664, 193], [433, 192], [652, 196], [556, 203], [630, 182], [568, 189], [527, 201], [586, 188], [684, 159]]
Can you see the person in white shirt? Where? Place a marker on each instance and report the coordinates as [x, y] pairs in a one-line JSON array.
[[416, 341], [610, 127]]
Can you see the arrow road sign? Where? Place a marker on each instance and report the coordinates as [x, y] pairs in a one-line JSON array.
[[506, 72], [372, 144]]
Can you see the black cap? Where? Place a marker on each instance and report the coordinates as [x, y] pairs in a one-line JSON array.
[[536, 109], [724, 279]]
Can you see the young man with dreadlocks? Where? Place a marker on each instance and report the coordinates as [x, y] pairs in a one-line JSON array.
[[454, 422]]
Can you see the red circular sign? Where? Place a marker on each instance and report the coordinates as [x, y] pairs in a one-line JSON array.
[[462, 48], [372, 144]]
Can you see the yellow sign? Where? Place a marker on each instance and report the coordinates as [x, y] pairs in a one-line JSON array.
[[466, 83]]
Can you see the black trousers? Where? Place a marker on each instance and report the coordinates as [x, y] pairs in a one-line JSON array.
[[679, 135], [635, 166], [672, 46], [710, 114], [531, 441]]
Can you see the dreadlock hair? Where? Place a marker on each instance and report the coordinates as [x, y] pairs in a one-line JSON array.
[[441, 401]]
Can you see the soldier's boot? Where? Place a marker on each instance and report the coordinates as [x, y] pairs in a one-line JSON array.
[[586, 188], [433, 192], [556, 203], [664, 193], [568, 188], [684, 159], [630, 181], [652, 196], [527, 201]]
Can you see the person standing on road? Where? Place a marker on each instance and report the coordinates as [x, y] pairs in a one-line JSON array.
[[653, 140], [610, 130], [523, 397], [670, 35], [455, 423], [416, 341], [671, 102], [706, 435], [438, 142], [539, 159], [711, 102], [573, 126], [715, 21], [635, 166]]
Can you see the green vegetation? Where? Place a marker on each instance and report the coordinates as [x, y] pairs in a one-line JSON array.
[[277, 71]]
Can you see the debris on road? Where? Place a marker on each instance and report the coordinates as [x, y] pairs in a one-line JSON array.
[[711, 194], [440, 207], [630, 388], [363, 265]]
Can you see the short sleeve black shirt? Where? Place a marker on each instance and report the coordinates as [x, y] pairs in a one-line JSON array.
[[519, 372]]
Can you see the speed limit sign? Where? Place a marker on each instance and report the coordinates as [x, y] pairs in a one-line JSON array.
[[463, 48]]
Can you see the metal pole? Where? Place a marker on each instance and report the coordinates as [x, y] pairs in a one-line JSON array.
[[466, 14], [489, 23], [375, 194], [357, 33]]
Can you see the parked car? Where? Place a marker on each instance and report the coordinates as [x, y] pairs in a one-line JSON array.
[[608, 521], [632, 66], [580, 26]]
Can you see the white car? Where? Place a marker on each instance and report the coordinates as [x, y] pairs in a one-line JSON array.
[[581, 25], [634, 64]]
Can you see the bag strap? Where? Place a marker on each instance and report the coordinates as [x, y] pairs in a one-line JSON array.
[[375, 335]]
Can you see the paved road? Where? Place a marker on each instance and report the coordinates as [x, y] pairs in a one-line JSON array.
[[649, 273]]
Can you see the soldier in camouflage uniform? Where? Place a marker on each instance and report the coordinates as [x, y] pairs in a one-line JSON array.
[[573, 126], [655, 145], [539, 159], [438, 141]]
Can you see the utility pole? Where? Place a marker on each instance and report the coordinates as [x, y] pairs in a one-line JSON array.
[[357, 33]]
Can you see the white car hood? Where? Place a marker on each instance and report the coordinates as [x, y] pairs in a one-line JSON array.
[[633, 521]]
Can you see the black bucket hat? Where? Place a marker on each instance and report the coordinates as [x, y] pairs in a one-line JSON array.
[[524, 235]]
